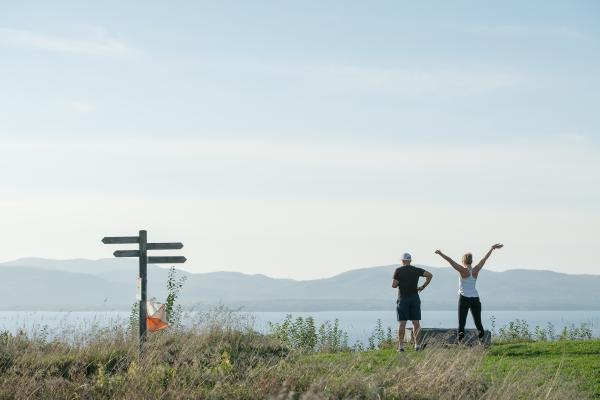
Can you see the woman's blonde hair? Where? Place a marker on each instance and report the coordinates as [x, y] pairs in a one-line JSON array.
[[468, 259]]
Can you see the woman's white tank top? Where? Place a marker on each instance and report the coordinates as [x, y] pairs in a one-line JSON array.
[[466, 286]]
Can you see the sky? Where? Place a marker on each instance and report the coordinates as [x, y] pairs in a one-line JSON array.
[[302, 139]]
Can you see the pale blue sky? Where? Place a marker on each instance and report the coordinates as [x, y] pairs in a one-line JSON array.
[[302, 139]]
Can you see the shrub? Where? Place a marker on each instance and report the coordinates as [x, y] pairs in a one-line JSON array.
[[380, 338], [174, 286], [302, 334], [518, 331]]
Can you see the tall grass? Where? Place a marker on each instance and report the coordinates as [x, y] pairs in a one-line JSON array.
[[220, 356]]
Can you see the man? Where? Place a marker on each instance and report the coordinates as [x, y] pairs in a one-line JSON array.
[[406, 279]]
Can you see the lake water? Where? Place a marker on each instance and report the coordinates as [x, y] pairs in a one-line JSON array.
[[358, 324]]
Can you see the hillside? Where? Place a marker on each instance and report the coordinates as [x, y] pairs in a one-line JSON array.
[[110, 284]]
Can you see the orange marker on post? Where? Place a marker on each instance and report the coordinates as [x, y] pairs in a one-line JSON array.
[[156, 318]]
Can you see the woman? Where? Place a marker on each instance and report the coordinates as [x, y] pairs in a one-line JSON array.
[[468, 297]]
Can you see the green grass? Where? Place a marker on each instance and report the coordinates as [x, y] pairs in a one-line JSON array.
[[576, 361], [562, 362], [231, 364]]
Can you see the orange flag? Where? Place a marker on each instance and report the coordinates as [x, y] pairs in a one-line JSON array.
[[156, 318]]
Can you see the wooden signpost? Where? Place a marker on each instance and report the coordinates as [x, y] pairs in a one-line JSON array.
[[144, 260]]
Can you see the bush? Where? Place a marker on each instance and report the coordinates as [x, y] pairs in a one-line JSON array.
[[583, 332], [544, 334], [302, 334], [174, 311], [518, 331], [380, 338]]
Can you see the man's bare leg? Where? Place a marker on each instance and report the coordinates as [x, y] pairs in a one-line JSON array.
[[416, 332], [401, 330]]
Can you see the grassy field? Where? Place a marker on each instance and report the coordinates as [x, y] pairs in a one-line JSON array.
[[513, 370], [570, 361], [232, 364]]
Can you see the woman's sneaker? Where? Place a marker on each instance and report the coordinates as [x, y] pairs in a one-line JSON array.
[[400, 349]]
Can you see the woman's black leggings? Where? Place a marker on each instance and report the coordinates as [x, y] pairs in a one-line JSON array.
[[464, 304]]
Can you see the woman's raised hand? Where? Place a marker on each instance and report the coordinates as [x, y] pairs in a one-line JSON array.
[[438, 252], [497, 246]]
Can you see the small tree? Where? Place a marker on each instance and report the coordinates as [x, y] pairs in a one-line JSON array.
[[309, 336], [134, 319], [174, 284]]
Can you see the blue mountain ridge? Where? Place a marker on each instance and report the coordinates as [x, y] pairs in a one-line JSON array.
[[109, 284]]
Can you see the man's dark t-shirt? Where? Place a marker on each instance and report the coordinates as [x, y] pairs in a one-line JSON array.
[[408, 279]]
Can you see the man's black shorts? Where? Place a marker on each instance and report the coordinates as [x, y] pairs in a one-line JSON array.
[[409, 308]]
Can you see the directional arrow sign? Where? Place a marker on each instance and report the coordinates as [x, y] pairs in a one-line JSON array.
[[126, 253], [164, 246], [166, 260], [120, 239]]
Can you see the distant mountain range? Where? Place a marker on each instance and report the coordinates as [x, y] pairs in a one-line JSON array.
[[109, 284]]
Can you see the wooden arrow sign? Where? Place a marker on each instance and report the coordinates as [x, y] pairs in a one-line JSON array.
[[126, 253], [164, 246], [144, 260], [120, 239], [166, 260]]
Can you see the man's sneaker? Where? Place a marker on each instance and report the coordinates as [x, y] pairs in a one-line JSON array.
[[400, 349], [419, 347]]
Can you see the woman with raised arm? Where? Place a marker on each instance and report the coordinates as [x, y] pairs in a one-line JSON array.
[[468, 297]]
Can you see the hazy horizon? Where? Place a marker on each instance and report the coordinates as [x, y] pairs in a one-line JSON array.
[[303, 139], [191, 270], [110, 284]]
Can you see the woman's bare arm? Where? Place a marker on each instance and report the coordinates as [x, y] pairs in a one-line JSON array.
[[461, 270], [481, 263]]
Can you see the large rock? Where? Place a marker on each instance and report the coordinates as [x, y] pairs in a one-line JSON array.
[[444, 336]]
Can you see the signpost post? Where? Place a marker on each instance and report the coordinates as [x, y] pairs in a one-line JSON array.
[[144, 260]]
